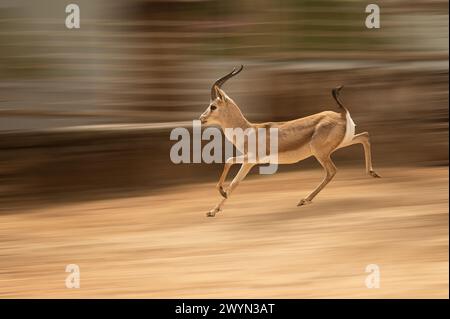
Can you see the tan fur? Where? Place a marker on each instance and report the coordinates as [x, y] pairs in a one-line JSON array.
[[317, 135]]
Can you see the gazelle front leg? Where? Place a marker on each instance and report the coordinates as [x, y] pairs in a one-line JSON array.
[[229, 162], [243, 171], [222, 179]]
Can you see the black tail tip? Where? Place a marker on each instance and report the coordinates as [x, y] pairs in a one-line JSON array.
[[337, 89]]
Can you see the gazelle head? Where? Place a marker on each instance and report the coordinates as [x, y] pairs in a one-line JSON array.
[[222, 110]]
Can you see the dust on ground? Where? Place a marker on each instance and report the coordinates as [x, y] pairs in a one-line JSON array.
[[261, 246]]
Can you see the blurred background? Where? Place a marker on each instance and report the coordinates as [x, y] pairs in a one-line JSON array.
[[86, 113], [66, 94]]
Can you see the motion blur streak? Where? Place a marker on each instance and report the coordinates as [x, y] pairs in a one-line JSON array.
[[86, 178]]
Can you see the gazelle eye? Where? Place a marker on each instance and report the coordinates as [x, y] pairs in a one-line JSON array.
[[213, 107]]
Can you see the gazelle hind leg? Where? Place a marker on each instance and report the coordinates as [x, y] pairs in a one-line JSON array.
[[321, 147], [330, 170], [363, 138]]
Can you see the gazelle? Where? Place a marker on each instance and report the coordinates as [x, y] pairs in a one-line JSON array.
[[317, 135]]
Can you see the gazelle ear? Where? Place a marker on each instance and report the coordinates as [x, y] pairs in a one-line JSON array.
[[220, 93]]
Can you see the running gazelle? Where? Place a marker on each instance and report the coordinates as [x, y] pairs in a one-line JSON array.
[[317, 135]]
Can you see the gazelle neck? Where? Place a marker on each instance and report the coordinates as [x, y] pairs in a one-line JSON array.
[[235, 119]]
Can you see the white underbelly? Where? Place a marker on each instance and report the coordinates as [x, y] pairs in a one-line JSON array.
[[349, 130]]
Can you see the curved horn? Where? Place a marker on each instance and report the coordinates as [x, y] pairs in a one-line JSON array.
[[222, 80]]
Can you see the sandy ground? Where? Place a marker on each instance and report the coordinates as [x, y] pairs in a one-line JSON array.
[[261, 245]]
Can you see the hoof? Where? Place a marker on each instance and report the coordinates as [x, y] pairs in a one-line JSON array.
[[222, 192], [304, 202], [212, 212], [373, 174]]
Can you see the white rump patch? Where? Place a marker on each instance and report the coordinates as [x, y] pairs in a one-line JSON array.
[[349, 130]]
